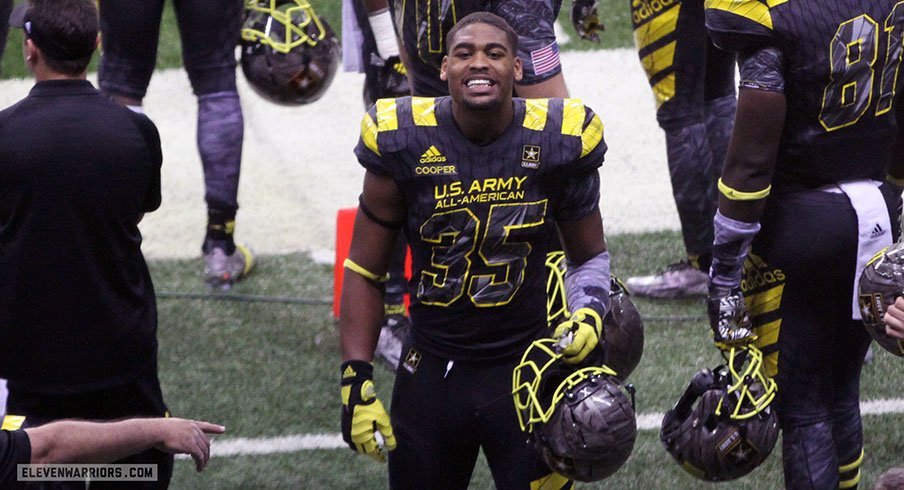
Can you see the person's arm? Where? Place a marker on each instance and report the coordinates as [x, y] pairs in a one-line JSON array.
[[380, 215], [896, 162], [380, 21], [552, 87], [72, 441], [361, 303], [744, 186]]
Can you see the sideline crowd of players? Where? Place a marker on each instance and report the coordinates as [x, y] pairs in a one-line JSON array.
[[811, 184]]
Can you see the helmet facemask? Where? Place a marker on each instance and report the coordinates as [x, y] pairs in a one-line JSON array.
[[580, 420]]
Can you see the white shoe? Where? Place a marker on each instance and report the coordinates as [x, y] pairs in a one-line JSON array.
[[678, 280]]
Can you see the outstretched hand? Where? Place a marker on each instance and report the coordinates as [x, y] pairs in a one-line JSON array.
[[181, 436]]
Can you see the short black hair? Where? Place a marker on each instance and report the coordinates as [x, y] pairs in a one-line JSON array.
[[484, 18], [65, 31]]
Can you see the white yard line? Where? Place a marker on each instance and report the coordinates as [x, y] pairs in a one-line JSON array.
[[241, 446]]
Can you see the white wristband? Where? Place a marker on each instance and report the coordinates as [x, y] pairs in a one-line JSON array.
[[381, 25]]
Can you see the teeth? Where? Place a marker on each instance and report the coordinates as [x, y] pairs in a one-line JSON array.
[[474, 83]]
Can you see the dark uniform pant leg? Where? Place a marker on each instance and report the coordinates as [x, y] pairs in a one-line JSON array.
[[443, 415], [799, 280], [695, 108], [210, 30], [140, 398], [437, 444], [130, 32]]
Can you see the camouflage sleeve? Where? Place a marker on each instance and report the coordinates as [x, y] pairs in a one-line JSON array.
[[762, 69], [739, 25], [533, 21]]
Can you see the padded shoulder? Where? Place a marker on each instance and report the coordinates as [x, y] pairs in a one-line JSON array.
[[568, 117], [383, 128], [741, 25]]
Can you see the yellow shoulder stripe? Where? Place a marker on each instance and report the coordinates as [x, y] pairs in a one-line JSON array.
[[423, 111], [387, 118], [736, 195], [369, 133], [592, 135], [572, 116], [12, 422], [535, 111], [749, 9]]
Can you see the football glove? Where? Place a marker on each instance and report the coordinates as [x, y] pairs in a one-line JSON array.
[[385, 79], [585, 19], [579, 334], [363, 415], [728, 318]]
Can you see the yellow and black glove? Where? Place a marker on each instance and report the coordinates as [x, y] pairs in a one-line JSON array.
[[585, 19], [579, 334], [363, 415]]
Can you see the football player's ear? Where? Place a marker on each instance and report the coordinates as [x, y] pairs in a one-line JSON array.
[[442, 68], [519, 69]]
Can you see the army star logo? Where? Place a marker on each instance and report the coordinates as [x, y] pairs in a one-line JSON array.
[[530, 156], [412, 360]]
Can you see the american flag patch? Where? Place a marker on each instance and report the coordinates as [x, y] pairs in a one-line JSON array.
[[545, 59]]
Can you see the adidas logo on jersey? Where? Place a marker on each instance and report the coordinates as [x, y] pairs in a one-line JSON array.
[[432, 155], [877, 231], [642, 10]]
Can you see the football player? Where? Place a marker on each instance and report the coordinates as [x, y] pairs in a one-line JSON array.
[[422, 29], [803, 207], [472, 180], [209, 30], [369, 44], [693, 84]]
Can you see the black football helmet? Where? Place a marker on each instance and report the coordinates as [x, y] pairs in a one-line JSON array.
[[723, 426], [289, 53], [580, 420], [881, 282], [622, 326]]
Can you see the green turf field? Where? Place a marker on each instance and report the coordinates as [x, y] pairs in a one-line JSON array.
[[268, 369]]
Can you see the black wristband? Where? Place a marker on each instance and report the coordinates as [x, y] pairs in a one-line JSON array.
[[356, 371], [389, 225]]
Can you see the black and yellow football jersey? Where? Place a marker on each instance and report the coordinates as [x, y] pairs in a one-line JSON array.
[[422, 26], [478, 216], [842, 61]]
